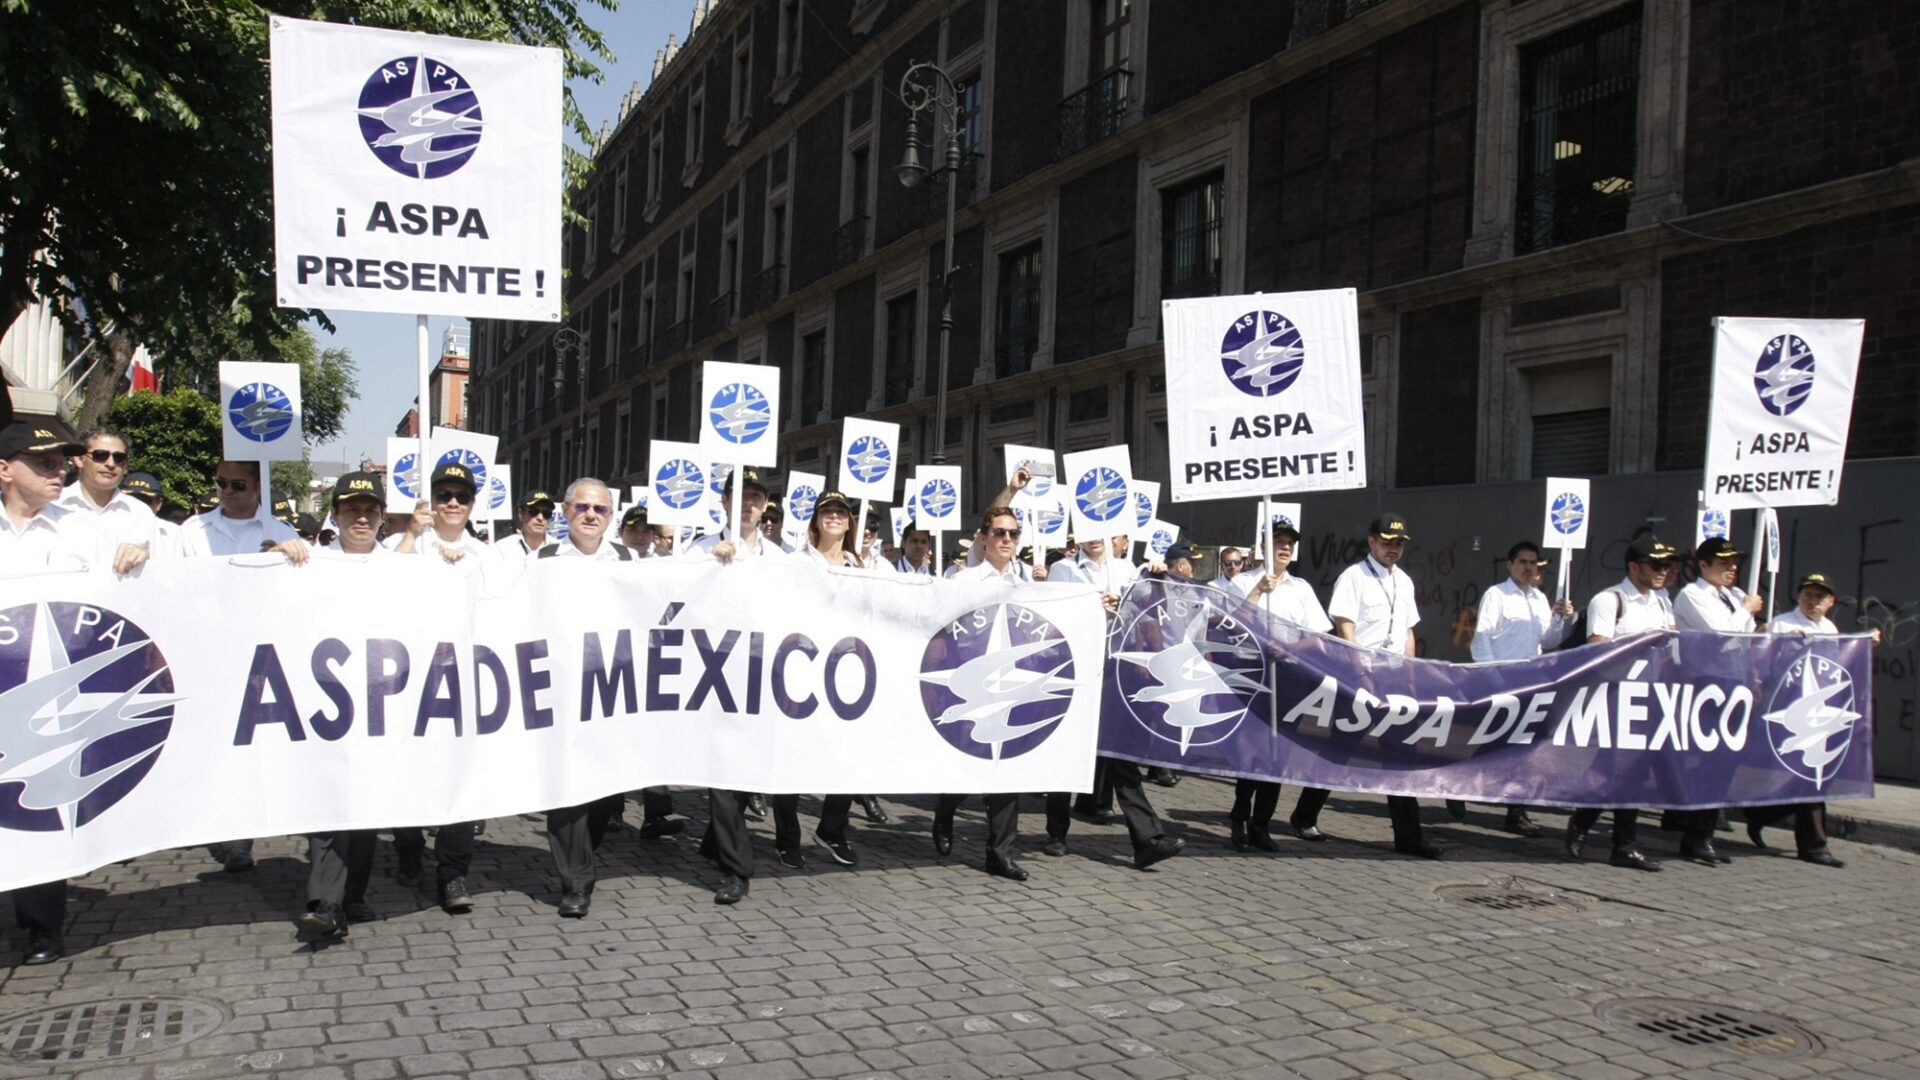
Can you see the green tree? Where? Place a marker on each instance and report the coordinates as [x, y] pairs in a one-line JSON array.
[[135, 170], [175, 436]]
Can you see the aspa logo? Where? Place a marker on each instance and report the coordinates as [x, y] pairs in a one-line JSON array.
[[997, 681], [86, 702], [680, 483], [260, 411], [740, 413], [497, 495], [406, 475], [1282, 519], [1784, 376], [1142, 509], [419, 117], [937, 499], [1186, 671], [1040, 487], [1713, 523], [1568, 512], [1162, 540], [1101, 494], [468, 460], [1810, 718], [868, 459], [1050, 519], [1262, 353], [800, 502]]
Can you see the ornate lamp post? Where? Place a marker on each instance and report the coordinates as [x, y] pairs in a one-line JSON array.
[[925, 88], [570, 344]]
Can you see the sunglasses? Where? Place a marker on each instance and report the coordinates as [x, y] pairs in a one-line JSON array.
[[538, 511], [1233, 562], [224, 484], [596, 509], [47, 464], [453, 496], [1001, 532], [118, 457]]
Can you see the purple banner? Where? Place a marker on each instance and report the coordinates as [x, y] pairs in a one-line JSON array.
[[1204, 681]]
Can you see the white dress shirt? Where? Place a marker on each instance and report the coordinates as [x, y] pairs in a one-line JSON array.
[[608, 551], [1109, 574], [1380, 603], [1701, 606], [1624, 610], [760, 545], [866, 566], [903, 566], [124, 520], [56, 538], [1293, 600], [1015, 573], [214, 533], [1515, 623], [1792, 622]]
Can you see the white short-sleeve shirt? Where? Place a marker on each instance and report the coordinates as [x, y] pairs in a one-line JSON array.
[[1379, 601]]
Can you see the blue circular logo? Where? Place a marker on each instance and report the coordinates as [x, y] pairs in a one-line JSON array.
[[938, 499], [1810, 718], [1784, 376], [1262, 353], [1040, 486], [260, 411], [997, 681], [740, 413], [1568, 513], [1186, 671], [680, 484], [1162, 540], [1713, 523], [406, 476], [471, 461], [868, 459], [800, 502], [420, 118], [1050, 519], [1142, 509], [496, 493], [1101, 494], [88, 703]]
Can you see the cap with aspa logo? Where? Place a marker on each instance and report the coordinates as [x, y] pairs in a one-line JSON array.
[[1651, 549], [1718, 547], [452, 473], [749, 479], [141, 485], [1389, 527], [1816, 580], [38, 437], [356, 484], [538, 498]]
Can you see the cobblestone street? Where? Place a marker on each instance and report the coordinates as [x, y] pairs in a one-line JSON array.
[[1322, 961]]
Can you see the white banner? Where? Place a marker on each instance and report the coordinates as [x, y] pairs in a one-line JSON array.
[[740, 420], [1263, 394], [803, 490], [204, 721], [1782, 403], [414, 173], [869, 458], [260, 412], [453, 446], [1098, 491], [1569, 509], [681, 492], [403, 475], [936, 495]]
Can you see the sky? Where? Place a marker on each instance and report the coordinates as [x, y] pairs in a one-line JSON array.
[[383, 345]]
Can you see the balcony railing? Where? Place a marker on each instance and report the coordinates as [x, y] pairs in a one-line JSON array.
[[850, 242], [929, 200], [766, 287], [635, 361], [675, 337], [721, 311], [1102, 108], [1314, 17]]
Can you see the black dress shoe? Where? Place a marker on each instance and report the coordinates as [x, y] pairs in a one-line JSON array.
[[409, 871], [324, 921], [1238, 835], [1308, 832], [1054, 847], [359, 911], [454, 898], [1822, 857], [838, 850], [943, 838], [1703, 853], [1633, 860], [1262, 840], [1007, 868], [1754, 837], [730, 890], [661, 828], [237, 863], [479, 828], [1576, 842], [1457, 809], [1519, 824], [43, 950], [1156, 850], [870, 806], [791, 858], [1425, 849], [1097, 817], [573, 905], [756, 808]]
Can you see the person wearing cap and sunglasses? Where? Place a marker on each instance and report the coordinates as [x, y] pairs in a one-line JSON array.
[[1636, 605], [529, 536], [126, 523], [1712, 601], [1232, 562]]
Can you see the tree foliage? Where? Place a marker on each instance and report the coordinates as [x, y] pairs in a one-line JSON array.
[[175, 436], [136, 171]]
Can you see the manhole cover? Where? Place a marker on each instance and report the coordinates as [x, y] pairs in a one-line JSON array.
[[104, 1030], [1510, 895], [1713, 1027]]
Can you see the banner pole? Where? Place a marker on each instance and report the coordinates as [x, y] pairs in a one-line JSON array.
[[939, 566], [1756, 552], [422, 346], [1566, 569], [1264, 538], [860, 528]]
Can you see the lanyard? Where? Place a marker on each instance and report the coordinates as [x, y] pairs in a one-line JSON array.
[[1386, 586]]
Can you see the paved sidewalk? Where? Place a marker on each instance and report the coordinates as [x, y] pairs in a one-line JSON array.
[[1322, 961], [1891, 817]]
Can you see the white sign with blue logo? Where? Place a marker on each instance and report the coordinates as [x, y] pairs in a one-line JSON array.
[[260, 411], [1159, 537], [403, 475], [740, 413], [1782, 404], [1146, 502], [1708, 524], [803, 490], [499, 501], [474, 451], [1263, 394], [1043, 467], [415, 173], [869, 459], [679, 486], [936, 493], [901, 517], [1569, 508], [1098, 488]]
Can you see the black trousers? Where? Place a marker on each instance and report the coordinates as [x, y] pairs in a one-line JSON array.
[[655, 802], [41, 908], [1143, 826], [1809, 823], [1254, 802], [1402, 810], [1626, 825], [452, 848], [1003, 821], [574, 833], [834, 810], [340, 864], [727, 841], [1100, 799]]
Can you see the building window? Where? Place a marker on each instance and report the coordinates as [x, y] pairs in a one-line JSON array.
[[1087, 406], [696, 129], [656, 164], [813, 376], [683, 296], [1112, 44], [902, 319], [1190, 216], [1017, 320], [786, 57], [1579, 111], [623, 442], [970, 130], [660, 410], [591, 239], [740, 85], [1571, 443], [620, 198], [616, 306]]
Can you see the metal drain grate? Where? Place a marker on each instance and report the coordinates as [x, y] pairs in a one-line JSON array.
[[105, 1030], [1509, 895], [1704, 1025]]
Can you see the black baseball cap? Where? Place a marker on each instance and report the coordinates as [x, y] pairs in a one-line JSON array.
[[1818, 581], [635, 515], [1181, 550], [1718, 547], [355, 484], [749, 478], [38, 435], [833, 498], [1283, 526], [452, 472], [538, 498], [285, 510], [1386, 527], [1651, 549], [141, 485]]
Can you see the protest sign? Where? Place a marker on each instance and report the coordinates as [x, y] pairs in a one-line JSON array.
[[404, 486], [936, 492], [1782, 403], [1040, 463], [260, 412], [740, 418], [869, 457], [456, 446], [803, 490], [679, 492], [1098, 491]]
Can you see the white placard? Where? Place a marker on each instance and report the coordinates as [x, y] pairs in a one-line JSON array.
[[638, 493], [499, 502], [414, 173], [740, 413], [1159, 536], [1708, 524], [403, 475], [452, 446], [1770, 519], [901, 517], [260, 411], [1146, 501], [936, 494], [681, 494], [1049, 521], [803, 490], [1044, 466], [869, 459], [1263, 394], [1782, 403], [1569, 509], [1098, 489]]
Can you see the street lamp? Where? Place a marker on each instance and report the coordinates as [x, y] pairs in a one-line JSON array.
[[569, 343], [925, 88]]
